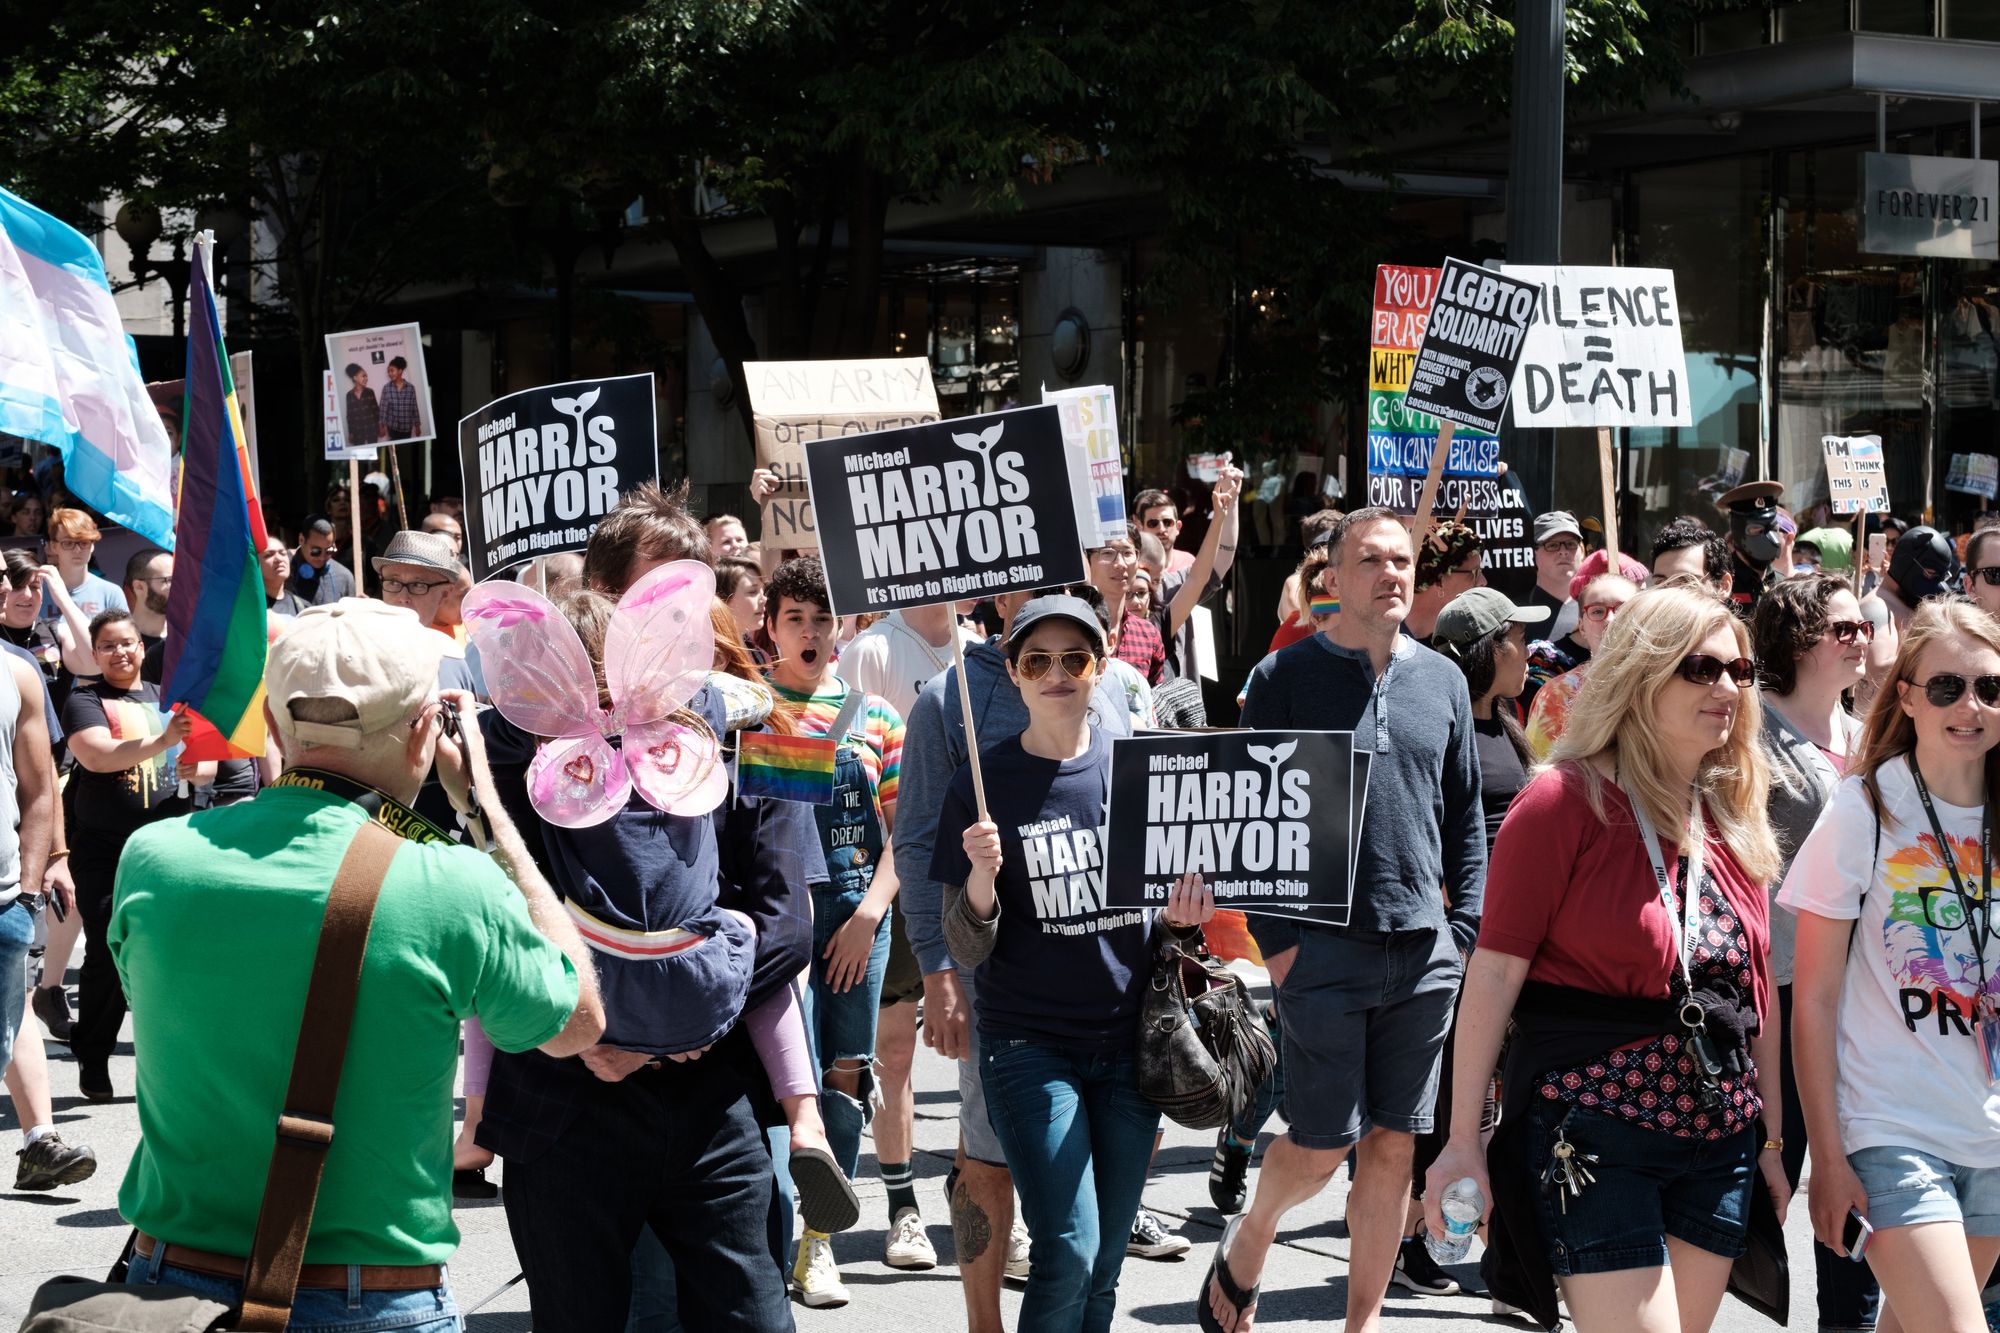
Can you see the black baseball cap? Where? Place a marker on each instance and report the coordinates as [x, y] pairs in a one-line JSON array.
[[1060, 606]]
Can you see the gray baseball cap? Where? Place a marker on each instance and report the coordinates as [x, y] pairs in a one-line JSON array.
[[1556, 523], [1477, 612]]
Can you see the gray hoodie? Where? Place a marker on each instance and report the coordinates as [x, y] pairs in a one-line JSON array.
[[934, 751]]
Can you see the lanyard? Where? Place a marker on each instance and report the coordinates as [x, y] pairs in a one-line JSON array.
[[1979, 933], [1684, 913], [385, 810]]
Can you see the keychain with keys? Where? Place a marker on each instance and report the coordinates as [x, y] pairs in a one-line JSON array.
[[1568, 1170]]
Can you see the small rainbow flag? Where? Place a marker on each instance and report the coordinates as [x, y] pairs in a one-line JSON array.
[[1325, 606], [785, 768]]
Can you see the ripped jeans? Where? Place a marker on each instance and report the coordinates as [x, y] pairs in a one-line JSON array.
[[841, 1024]]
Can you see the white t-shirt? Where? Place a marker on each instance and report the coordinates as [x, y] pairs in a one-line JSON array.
[[893, 660], [1910, 1072]]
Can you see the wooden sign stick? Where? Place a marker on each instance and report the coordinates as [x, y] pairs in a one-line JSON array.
[[1860, 543], [396, 481], [1607, 471], [1420, 526], [971, 736]]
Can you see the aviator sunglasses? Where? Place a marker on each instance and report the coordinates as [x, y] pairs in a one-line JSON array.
[[1701, 669], [1945, 690], [1076, 664]]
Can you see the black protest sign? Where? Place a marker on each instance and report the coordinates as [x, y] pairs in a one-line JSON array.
[[965, 508], [543, 465], [1472, 343], [794, 403], [1268, 819]]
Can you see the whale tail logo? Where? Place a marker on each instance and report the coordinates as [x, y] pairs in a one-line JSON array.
[[981, 443], [1272, 757], [578, 407]]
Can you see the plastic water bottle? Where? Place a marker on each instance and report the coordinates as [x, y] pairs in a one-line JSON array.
[[1462, 1205]]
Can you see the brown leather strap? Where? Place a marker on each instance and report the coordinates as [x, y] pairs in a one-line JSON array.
[[305, 1127], [320, 1277]]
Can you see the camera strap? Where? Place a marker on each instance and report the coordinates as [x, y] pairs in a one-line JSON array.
[[382, 808]]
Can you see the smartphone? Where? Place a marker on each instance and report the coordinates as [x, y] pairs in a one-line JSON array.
[[1878, 551], [1854, 1238]]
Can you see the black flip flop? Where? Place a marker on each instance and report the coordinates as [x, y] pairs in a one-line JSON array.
[[1218, 1273], [826, 1198]]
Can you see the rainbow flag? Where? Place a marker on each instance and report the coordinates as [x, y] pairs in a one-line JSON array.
[[785, 768], [215, 613]]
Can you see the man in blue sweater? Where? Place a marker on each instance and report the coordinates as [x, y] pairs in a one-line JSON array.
[[934, 749], [1366, 1005]]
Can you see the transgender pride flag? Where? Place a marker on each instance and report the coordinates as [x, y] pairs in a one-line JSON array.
[[69, 376]]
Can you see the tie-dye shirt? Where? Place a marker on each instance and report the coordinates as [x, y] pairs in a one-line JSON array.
[[878, 730], [1908, 1063], [113, 805]]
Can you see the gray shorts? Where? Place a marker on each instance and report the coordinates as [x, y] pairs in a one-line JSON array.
[[1365, 1018], [1908, 1186], [974, 1129]]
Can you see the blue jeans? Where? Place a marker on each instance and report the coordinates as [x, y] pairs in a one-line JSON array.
[[841, 1025], [1078, 1137], [319, 1309], [17, 931]]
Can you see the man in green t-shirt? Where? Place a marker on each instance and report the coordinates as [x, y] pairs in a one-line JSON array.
[[351, 693]]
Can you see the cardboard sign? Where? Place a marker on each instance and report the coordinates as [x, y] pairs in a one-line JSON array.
[[1096, 469], [169, 397], [1855, 481], [1400, 439], [1473, 339], [1605, 349], [956, 509], [336, 444], [794, 403], [385, 393], [1207, 468], [1269, 819], [543, 465], [1974, 474]]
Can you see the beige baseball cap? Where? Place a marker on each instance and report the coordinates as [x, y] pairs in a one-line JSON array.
[[378, 657]]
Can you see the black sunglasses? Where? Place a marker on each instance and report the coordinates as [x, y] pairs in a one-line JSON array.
[[1991, 573], [1701, 669], [1945, 690]]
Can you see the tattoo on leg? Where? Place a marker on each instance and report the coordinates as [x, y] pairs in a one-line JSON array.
[[971, 1230]]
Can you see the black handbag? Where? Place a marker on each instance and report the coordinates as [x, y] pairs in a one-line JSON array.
[[1202, 1050]]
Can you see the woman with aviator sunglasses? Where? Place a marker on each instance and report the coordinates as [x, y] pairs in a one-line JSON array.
[[1812, 648], [1629, 950], [1896, 980], [1059, 978]]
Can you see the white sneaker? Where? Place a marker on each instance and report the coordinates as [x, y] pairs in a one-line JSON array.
[[1017, 1252], [908, 1246], [815, 1273]]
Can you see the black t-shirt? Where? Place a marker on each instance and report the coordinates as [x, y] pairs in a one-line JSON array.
[[1502, 774], [115, 805], [40, 641], [1063, 971]]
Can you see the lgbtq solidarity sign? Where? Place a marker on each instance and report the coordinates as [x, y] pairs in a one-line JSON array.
[[927, 514], [1269, 819]]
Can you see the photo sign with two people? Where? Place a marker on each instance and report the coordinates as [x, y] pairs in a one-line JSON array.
[[543, 465], [1271, 820]]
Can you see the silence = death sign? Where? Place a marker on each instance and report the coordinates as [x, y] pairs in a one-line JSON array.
[[1267, 818], [963, 508], [1472, 341], [1605, 349], [794, 403], [543, 465]]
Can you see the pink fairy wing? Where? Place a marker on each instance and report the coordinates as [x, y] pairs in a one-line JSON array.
[[676, 768], [660, 644], [536, 670], [578, 781]]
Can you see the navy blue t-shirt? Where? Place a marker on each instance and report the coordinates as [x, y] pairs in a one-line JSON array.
[[1063, 971]]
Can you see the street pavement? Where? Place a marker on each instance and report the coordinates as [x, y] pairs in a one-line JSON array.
[[78, 1230]]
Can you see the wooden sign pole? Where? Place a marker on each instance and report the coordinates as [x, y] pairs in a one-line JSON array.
[[1420, 526], [1860, 543], [396, 481], [971, 736], [354, 513], [1607, 471]]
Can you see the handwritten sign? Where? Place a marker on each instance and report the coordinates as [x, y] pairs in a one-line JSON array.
[[1604, 350], [1855, 481], [1974, 474], [1097, 472], [794, 403]]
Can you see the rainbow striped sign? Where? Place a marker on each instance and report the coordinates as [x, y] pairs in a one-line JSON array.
[[785, 768]]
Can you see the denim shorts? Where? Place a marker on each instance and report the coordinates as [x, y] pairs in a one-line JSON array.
[[17, 930], [1365, 1019], [975, 1127], [1650, 1185], [320, 1309], [1907, 1186]]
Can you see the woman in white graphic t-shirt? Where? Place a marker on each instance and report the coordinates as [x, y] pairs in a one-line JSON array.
[[1896, 976]]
